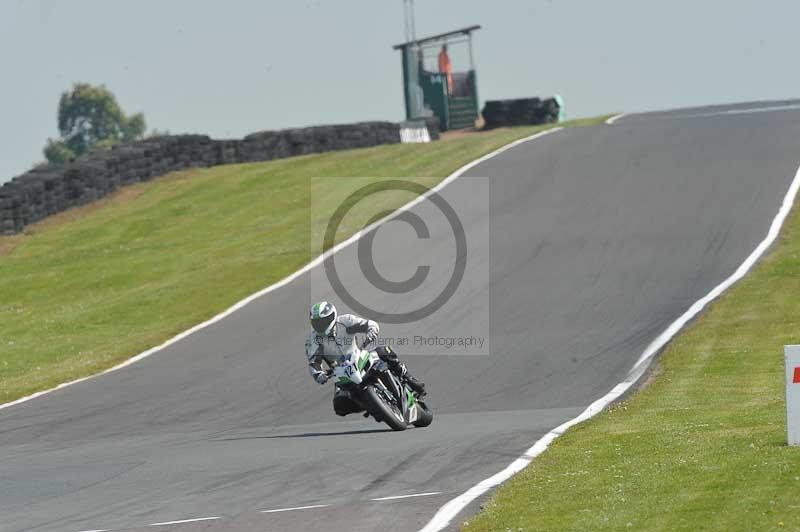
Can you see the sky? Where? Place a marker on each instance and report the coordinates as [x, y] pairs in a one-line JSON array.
[[229, 68]]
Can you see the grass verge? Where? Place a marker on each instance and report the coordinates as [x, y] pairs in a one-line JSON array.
[[88, 288], [702, 447]]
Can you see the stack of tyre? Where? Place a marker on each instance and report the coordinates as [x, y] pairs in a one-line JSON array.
[[520, 112], [8, 201], [49, 189]]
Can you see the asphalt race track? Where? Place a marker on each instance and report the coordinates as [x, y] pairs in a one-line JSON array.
[[599, 237]]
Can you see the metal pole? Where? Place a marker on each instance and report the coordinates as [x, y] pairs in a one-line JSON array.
[[471, 54], [410, 22], [411, 53]]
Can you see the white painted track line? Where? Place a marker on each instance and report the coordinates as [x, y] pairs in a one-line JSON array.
[[288, 279], [453, 507], [182, 521], [395, 497], [729, 112], [292, 509], [748, 111]]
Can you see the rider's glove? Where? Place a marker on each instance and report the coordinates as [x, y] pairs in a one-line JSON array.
[[371, 337], [321, 378]]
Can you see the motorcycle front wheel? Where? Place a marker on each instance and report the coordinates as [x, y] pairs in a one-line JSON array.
[[378, 407]]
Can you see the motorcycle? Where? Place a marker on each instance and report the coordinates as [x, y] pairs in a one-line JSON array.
[[380, 392]]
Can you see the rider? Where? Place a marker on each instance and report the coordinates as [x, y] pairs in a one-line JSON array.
[[331, 336]]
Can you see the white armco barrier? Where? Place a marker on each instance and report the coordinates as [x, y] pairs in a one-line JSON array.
[[792, 358]]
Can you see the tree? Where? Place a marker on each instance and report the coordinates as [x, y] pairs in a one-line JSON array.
[[57, 153], [89, 117]]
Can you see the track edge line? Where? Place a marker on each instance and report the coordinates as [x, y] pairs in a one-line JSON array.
[[453, 507]]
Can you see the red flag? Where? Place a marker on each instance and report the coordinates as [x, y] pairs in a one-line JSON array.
[[796, 378]]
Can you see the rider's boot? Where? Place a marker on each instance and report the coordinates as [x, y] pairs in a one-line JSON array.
[[414, 383], [388, 355]]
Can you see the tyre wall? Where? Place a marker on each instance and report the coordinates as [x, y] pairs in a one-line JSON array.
[[522, 111], [50, 189]]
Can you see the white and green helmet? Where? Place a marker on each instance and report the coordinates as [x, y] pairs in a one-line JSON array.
[[323, 317]]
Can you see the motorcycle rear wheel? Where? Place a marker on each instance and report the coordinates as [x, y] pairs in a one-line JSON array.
[[424, 415]]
